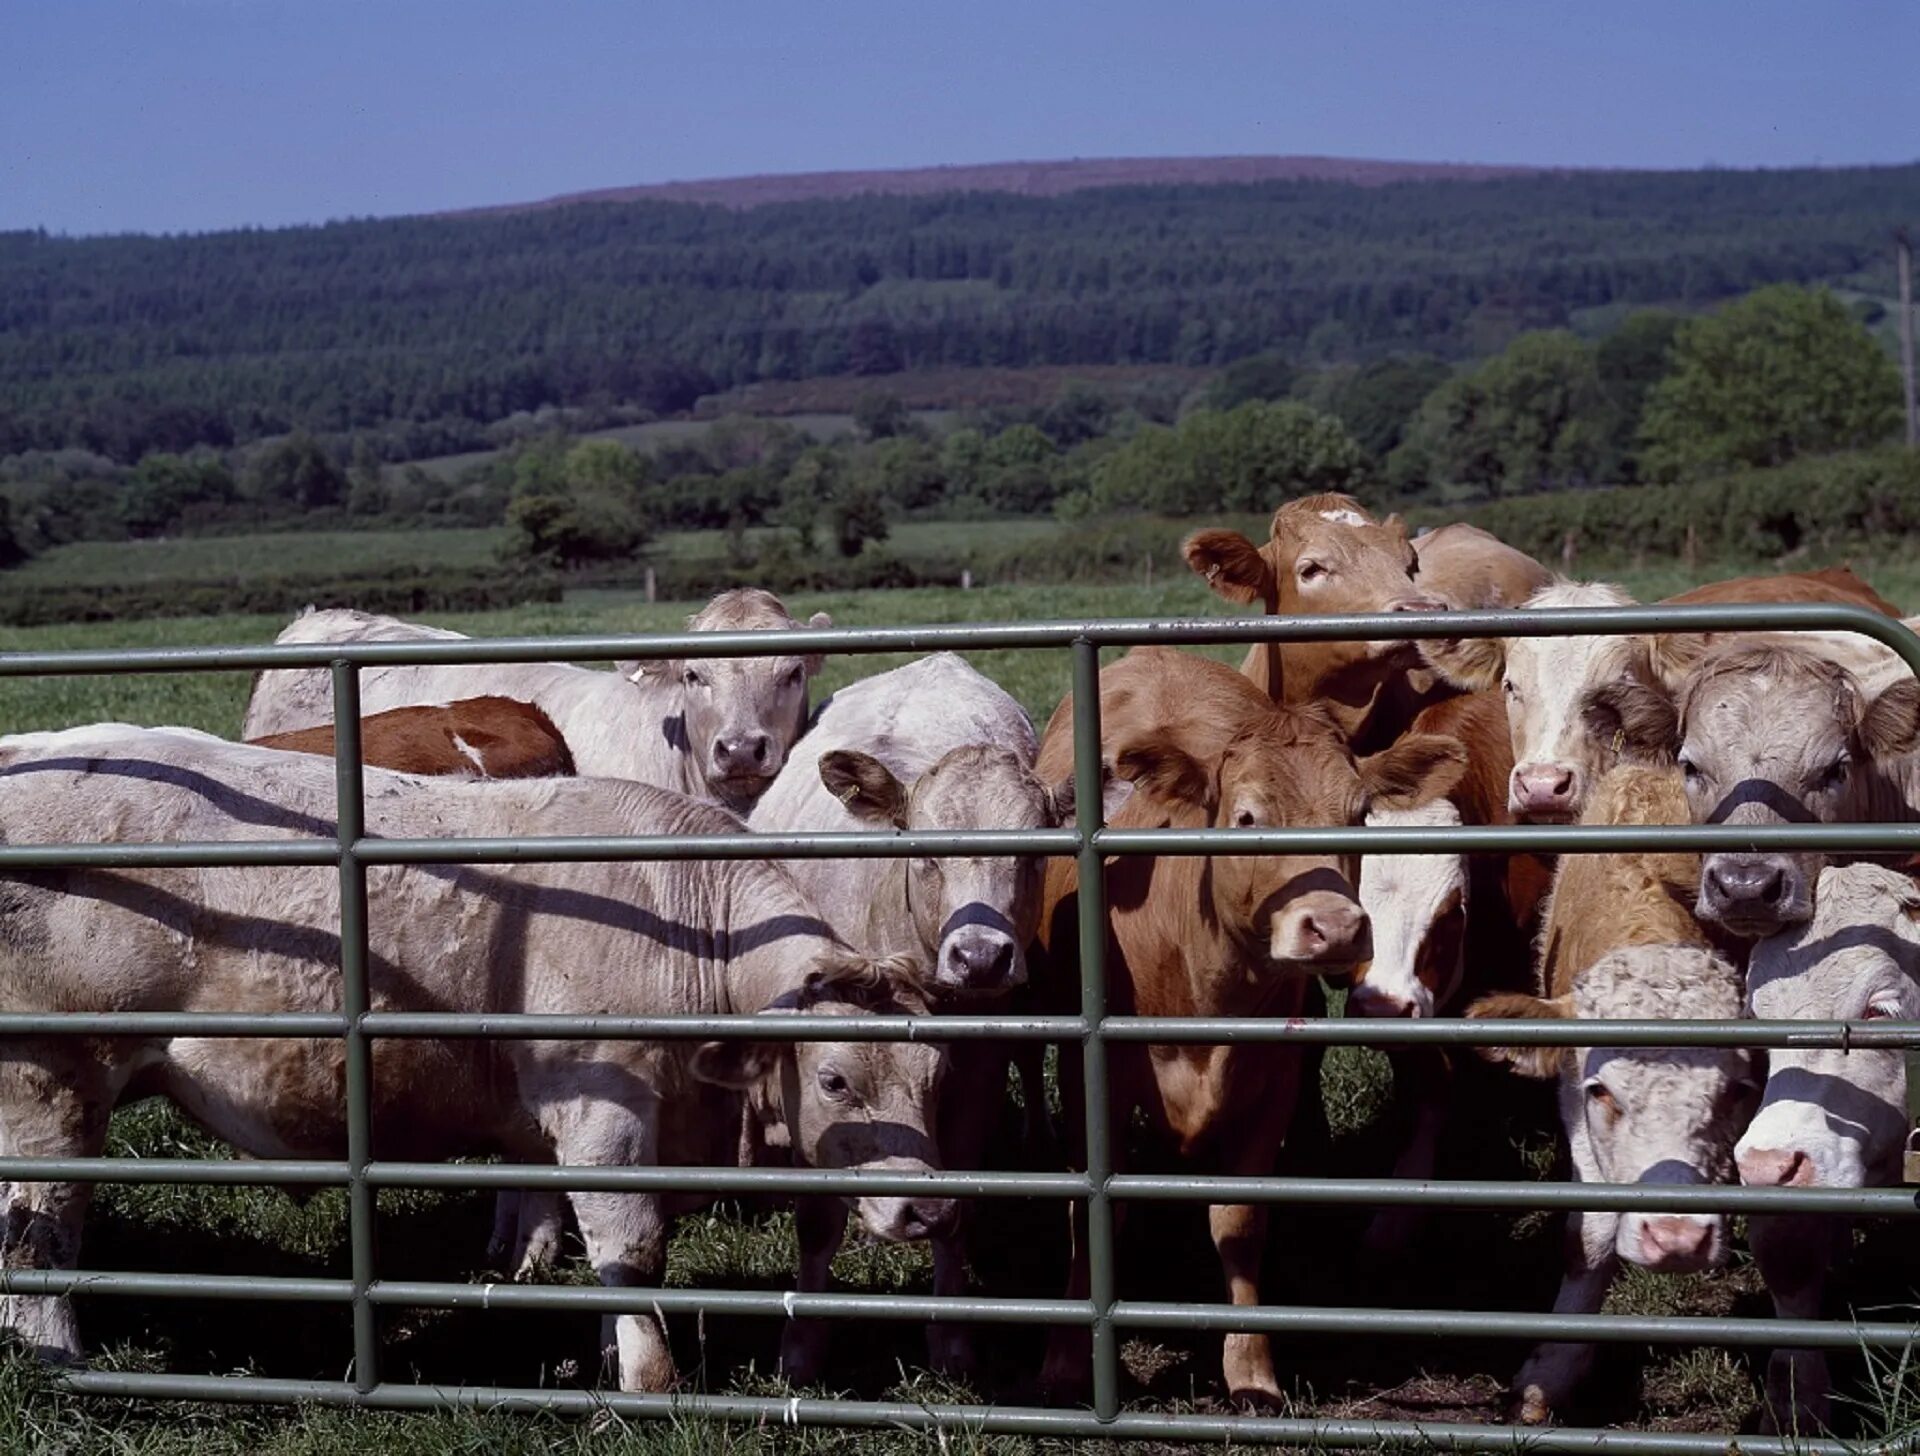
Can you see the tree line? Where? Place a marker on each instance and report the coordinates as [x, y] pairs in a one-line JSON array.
[[424, 327]]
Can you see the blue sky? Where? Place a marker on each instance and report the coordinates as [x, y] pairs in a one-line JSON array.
[[163, 115]]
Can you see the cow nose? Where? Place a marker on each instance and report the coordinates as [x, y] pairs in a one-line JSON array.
[[746, 753], [1740, 881], [1321, 926], [981, 962], [1674, 1240], [1419, 604], [1369, 1000], [1545, 788], [1775, 1168], [926, 1217]]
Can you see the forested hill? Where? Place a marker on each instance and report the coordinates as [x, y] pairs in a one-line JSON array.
[[128, 344]]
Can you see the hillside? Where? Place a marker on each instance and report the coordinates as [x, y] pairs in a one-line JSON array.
[[1022, 179], [123, 345]]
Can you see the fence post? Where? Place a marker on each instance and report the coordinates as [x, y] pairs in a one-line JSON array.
[[350, 816], [1088, 818]]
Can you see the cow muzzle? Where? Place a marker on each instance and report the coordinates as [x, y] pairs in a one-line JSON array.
[[1544, 792], [902, 1220], [1672, 1243], [745, 756], [1405, 604], [1776, 1168], [980, 959], [1753, 895], [1321, 927], [1367, 999]]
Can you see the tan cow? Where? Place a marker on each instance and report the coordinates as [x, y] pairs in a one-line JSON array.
[[1222, 935], [1769, 734], [1621, 941], [1545, 678], [488, 738]]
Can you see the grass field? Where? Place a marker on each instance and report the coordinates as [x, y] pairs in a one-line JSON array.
[[1505, 1130]]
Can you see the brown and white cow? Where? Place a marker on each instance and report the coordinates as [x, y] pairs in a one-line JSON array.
[[1829, 1117], [1770, 734], [1545, 678], [687, 937], [1620, 941], [1221, 935], [713, 728], [486, 738]]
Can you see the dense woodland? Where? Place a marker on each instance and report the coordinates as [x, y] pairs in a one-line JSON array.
[[416, 330]]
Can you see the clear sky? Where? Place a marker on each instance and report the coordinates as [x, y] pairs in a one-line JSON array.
[[162, 115]]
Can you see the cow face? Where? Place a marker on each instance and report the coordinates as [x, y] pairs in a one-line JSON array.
[[1769, 735], [1834, 1118], [973, 916], [1656, 1115], [853, 1104], [1417, 905], [1296, 912], [739, 715], [1326, 555]]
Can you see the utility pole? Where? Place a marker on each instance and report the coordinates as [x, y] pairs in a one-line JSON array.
[[1903, 251]]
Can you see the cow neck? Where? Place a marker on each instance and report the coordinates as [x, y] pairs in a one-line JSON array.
[[1170, 925], [891, 908], [775, 935]]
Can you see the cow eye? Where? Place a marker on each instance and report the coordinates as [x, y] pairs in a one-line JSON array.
[[833, 1084], [796, 675], [691, 678], [1509, 687], [1598, 1096], [1835, 773], [1689, 769], [1881, 1009], [1310, 570]]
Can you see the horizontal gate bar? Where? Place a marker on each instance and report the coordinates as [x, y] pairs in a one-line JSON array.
[[773, 1303], [1111, 632], [1442, 1195], [175, 1286], [1200, 1030], [775, 1411], [846, 1181], [1504, 1324], [1516, 838], [239, 1172]]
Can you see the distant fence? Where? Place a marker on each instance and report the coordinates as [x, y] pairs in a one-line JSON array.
[[361, 1173]]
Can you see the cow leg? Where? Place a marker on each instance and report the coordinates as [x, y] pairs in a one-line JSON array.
[[821, 1224], [1066, 1375], [53, 1106], [1423, 1090], [1555, 1369], [967, 1104], [1240, 1232], [625, 1233], [1039, 1140], [1796, 1256], [526, 1231]]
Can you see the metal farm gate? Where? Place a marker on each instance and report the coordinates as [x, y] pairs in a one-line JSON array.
[[368, 1291]]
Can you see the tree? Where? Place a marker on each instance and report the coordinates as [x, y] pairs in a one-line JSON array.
[[1784, 371], [1631, 360], [1259, 376], [1246, 459], [1377, 401], [881, 416], [858, 515], [12, 551], [167, 490], [579, 503], [297, 473], [1530, 418]]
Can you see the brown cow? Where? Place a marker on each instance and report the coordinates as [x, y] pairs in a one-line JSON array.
[[485, 738], [1555, 758], [1768, 734], [1621, 941], [1223, 935]]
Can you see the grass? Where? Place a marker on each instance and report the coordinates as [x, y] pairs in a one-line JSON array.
[[200, 558], [1504, 1129]]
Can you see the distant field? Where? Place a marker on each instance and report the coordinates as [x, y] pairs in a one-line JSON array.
[[929, 390], [87, 563]]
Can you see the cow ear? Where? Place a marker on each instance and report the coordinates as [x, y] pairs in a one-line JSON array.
[[735, 1064], [1891, 727], [1162, 767], [1529, 1061], [1634, 721], [1471, 664], [865, 785], [1232, 565], [816, 660], [658, 669], [1418, 769], [1062, 800]]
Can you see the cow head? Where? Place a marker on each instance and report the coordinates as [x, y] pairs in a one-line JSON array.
[[973, 916], [1326, 556], [740, 715], [853, 1104], [1417, 904], [1655, 1115], [1767, 734], [1292, 769], [1833, 1118], [1556, 756]]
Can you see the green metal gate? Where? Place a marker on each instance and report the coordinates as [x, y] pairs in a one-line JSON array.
[[367, 1292]]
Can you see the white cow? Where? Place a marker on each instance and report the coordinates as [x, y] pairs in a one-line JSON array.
[[694, 938], [926, 747], [713, 728], [1828, 1118]]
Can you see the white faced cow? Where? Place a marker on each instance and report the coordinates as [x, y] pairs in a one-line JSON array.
[[713, 728], [929, 746], [1828, 1118], [696, 938]]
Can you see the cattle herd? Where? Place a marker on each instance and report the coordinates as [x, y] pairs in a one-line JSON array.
[[1663, 729]]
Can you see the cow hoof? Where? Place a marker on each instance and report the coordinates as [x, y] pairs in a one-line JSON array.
[[803, 1355], [950, 1353], [1529, 1406], [1255, 1401]]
